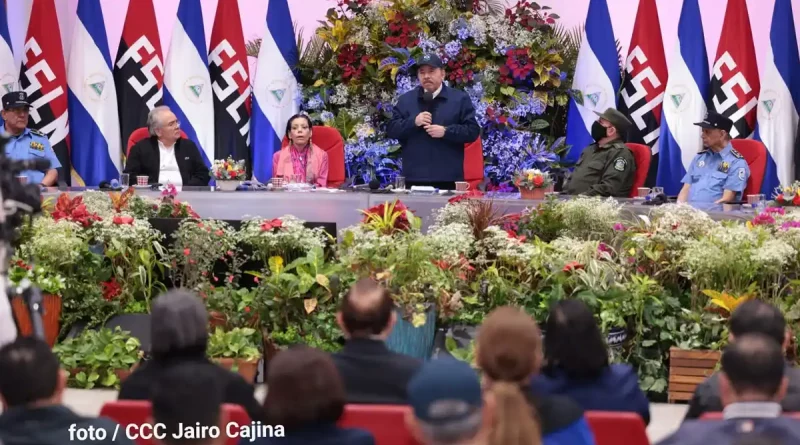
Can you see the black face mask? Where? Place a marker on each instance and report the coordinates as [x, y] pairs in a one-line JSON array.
[[598, 131]]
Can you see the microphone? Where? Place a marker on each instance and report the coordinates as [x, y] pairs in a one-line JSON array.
[[427, 97]]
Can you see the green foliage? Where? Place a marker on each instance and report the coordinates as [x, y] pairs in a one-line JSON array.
[[239, 343], [94, 357]]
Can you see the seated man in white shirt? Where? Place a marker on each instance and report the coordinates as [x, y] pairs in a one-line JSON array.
[[165, 157]]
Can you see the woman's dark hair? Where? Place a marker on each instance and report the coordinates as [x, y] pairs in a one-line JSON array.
[[297, 116], [304, 389], [573, 342]]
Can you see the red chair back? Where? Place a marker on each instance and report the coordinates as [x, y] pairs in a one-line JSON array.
[[139, 134], [386, 423], [642, 156], [755, 153], [609, 427], [330, 140], [473, 163]]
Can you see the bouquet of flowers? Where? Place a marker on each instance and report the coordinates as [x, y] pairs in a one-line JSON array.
[[789, 195], [532, 178], [228, 170]]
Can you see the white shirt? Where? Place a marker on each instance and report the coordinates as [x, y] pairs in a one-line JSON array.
[[169, 173], [439, 90]]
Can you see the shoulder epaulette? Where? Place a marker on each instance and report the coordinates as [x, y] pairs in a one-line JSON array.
[[736, 154], [37, 132]]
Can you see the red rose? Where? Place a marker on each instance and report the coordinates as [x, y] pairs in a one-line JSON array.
[[538, 181]]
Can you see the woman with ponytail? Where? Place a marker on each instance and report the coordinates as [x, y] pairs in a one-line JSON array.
[[509, 353]]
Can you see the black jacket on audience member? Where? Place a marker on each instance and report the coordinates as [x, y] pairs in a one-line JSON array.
[[145, 159], [372, 374], [237, 391], [50, 425]]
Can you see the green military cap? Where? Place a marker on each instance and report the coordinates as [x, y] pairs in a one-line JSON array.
[[617, 119]]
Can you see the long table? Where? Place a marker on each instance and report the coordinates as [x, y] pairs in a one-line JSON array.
[[343, 208]]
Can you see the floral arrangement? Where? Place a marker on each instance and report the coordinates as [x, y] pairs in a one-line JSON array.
[[532, 178], [228, 170], [286, 237], [789, 195]]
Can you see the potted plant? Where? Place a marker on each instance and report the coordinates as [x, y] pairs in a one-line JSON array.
[[51, 286], [236, 350], [98, 358], [533, 183], [228, 173]]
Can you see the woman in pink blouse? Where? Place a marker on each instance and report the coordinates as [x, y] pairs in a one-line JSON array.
[[301, 158]]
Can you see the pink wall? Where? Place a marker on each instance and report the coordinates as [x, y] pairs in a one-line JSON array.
[[307, 13]]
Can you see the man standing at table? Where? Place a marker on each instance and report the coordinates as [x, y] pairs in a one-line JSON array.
[[433, 123], [26, 144], [718, 173], [607, 167]]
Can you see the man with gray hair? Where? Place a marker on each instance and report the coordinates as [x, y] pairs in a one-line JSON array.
[[167, 156]]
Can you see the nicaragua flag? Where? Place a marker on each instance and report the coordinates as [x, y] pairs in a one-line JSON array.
[[93, 118], [778, 101], [684, 100], [276, 91], [9, 74], [187, 84], [597, 78]]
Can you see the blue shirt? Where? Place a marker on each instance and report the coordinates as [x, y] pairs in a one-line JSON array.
[[710, 174], [31, 144]]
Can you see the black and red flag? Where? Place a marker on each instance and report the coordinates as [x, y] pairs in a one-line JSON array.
[[734, 81], [644, 82], [44, 77], [230, 81], [139, 68]]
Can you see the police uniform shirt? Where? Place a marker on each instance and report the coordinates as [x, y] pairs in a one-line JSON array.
[[31, 144], [710, 174]]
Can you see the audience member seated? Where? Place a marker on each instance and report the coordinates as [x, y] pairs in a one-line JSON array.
[[447, 405], [576, 365], [370, 371], [32, 388], [508, 351], [179, 333], [188, 395], [751, 317], [751, 385], [305, 394]]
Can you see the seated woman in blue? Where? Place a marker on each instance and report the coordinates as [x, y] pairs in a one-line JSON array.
[[576, 365], [306, 395]]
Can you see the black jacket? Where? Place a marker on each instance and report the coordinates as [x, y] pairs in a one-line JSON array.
[[374, 374], [51, 426], [706, 397], [426, 159], [237, 391], [145, 159]]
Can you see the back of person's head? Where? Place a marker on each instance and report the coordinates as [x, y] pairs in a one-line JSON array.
[[508, 351], [573, 342], [179, 325], [188, 395], [753, 370], [447, 403], [30, 374], [367, 310], [758, 317], [303, 389]]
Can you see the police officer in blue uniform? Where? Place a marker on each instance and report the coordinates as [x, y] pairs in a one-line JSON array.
[[25, 143], [718, 173]]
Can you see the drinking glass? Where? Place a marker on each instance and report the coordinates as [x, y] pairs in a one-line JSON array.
[[124, 180], [658, 191], [400, 183]]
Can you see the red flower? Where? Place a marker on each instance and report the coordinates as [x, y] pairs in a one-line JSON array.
[[219, 232], [796, 200], [472, 194], [572, 266], [271, 224], [441, 264], [400, 223], [73, 209], [518, 66], [111, 289], [230, 279], [22, 264], [119, 220], [187, 251], [247, 309], [538, 181]]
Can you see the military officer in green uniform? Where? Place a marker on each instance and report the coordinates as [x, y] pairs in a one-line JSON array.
[[607, 167]]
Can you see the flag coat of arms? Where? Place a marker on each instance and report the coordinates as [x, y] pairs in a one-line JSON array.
[[684, 100], [44, 78], [597, 78]]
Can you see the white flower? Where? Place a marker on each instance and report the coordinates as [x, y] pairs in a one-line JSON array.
[[589, 217], [450, 242], [291, 238]]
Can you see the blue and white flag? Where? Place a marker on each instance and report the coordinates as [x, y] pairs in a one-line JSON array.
[[187, 83], [779, 100], [684, 100], [597, 77], [9, 72], [276, 90], [93, 114]]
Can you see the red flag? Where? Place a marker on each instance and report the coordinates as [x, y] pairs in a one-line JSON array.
[[230, 81], [734, 81], [139, 69], [44, 78]]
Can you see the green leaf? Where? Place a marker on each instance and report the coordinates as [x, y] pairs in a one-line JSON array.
[[539, 124], [323, 281], [648, 343], [110, 380], [93, 376], [81, 377], [507, 90]]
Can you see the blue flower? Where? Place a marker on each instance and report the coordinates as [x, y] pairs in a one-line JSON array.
[[452, 49], [326, 116]]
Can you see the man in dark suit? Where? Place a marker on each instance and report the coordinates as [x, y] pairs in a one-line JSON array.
[[752, 317], [370, 371], [166, 157], [751, 384]]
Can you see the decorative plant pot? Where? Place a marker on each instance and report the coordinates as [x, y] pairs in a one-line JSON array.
[[537, 193], [687, 369], [616, 337], [97, 249], [217, 320], [408, 340], [227, 185], [246, 368], [51, 317]]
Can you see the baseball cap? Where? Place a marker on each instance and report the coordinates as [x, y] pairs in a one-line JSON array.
[[446, 391], [617, 119], [715, 120], [430, 60], [15, 100]]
